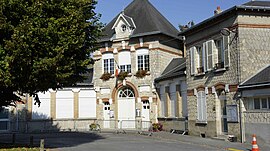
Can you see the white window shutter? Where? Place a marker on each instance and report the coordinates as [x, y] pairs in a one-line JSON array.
[[209, 52], [204, 57], [226, 49], [204, 108], [206, 90], [199, 105], [192, 60]]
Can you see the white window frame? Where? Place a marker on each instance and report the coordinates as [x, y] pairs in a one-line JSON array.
[[251, 103], [201, 107], [124, 60], [143, 53], [109, 57]]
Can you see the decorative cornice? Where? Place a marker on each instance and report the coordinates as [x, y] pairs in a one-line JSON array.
[[166, 50]]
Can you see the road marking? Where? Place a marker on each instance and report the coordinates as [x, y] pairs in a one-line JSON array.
[[232, 149]]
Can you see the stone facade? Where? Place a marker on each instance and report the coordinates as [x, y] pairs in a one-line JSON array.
[[248, 51]]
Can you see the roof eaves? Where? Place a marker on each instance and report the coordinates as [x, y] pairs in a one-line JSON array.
[[208, 20], [154, 33]]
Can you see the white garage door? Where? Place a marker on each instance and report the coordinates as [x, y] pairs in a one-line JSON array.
[[87, 104], [126, 108], [44, 110], [64, 104]]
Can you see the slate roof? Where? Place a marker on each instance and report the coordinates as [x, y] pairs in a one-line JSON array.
[[252, 5], [89, 78], [176, 68], [258, 3], [147, 18], [262, 78]]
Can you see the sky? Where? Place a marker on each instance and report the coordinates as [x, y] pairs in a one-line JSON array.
[[176, 11]]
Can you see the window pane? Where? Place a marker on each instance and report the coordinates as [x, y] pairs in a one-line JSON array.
[[4, 113], [264, 103], [218, 45], [256, 103], [112, 66], [3, 125], [122, 68], [106, 65], [268, 103], [146, 63], [129, 68], [140, 62]]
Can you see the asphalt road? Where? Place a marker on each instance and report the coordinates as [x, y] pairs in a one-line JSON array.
[[126, 142]]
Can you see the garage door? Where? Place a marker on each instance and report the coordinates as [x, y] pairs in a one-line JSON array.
[[87, 104], [126, 108], [64, 104]]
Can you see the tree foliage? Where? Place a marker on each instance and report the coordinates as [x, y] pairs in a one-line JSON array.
[[44, 44]]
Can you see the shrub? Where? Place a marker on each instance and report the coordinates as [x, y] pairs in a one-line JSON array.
[[122, 75], [157, 127], [141, 73], [106, 76]]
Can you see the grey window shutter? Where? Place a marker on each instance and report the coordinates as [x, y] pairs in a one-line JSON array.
[[209, 52], [204, 57], [226, 49], [192, 60], [204, 108], [199, 106]]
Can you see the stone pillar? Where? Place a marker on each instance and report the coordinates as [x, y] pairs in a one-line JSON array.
[[76, 105], [53, 105], [168, 101], [29, 107], [179, 107]]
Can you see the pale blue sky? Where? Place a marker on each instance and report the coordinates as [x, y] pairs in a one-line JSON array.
[[176, 11]]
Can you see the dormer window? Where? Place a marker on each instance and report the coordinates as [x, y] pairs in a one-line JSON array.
[[123, 28]]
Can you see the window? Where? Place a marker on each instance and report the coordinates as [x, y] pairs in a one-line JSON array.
[[143, 59], [212, 54], [220, 52], [108, 63], [262, 103], [197, 60], [201, 107], [124, 61], [123, 28], [146, 104]]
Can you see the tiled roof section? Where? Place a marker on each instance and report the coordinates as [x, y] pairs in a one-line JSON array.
[[258, 3], [262, 77], [147, 18], [176, 68]]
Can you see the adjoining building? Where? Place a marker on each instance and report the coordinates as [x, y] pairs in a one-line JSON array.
[[137, 46], [172, 95], [224, 51]]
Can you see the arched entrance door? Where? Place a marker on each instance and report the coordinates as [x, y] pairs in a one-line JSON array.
[[126, 108]]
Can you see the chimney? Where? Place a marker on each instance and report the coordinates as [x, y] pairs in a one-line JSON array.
[[217, 11]]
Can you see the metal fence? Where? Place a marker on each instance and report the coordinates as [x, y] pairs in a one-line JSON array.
[[119, 126]]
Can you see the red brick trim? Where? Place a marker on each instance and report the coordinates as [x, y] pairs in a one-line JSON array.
[[220, 86], [138, 46], [200, 88], [119, 86], [103, 50], [190, 92], [253, 25], [105, 100], [144, 98]]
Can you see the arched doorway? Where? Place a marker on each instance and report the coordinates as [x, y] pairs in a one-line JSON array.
[[126, 108]]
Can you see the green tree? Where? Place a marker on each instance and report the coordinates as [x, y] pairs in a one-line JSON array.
[[44, 44]]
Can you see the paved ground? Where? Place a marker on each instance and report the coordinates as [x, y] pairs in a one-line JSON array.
[[104, 141]]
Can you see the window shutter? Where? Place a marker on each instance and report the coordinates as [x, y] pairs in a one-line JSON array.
[[192, 60], [204, 57], [209, 52], [226, 49], [199, 109], [204, 109]]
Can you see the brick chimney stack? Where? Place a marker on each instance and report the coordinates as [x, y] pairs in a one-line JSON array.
[[217, 11]]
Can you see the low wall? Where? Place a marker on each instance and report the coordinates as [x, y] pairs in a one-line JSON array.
[[173, 124]]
